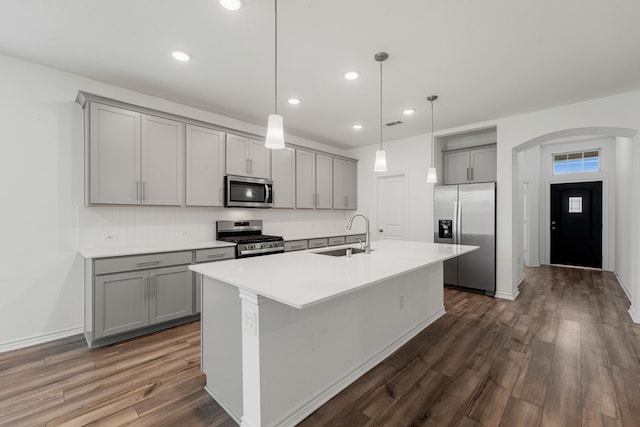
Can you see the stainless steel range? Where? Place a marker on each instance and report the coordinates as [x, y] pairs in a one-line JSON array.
[[248, 237]]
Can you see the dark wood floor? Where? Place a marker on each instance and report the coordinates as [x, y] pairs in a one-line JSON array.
[[565, 353]]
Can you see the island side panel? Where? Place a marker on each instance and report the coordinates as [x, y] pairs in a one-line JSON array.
[[307, 356], [221, 358]]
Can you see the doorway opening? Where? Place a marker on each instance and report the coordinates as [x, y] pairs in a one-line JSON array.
[[576, 224]]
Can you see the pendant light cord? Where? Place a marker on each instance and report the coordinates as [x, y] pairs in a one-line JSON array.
[[380, 105], [433, 148], [275, 73]]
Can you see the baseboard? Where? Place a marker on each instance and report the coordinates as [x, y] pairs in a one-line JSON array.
[[221, 403], [40, 339], [508, 296], [325, 395], [623, 286]]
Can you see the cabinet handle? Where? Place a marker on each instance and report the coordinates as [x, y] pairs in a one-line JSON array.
[[148, 263], [246, 165], [346, 201], [143, 190], [212, 256], [251, 166], [137, 191], [146, 287], [471, 174], [296, 246], [313, 199]]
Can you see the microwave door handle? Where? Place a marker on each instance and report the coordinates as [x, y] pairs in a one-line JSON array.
[[266, 193]]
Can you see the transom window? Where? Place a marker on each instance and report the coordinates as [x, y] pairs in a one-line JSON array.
[[577, 162]]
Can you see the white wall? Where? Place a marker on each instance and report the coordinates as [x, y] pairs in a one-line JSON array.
[[44, 221], [411, 156], [624, 176]]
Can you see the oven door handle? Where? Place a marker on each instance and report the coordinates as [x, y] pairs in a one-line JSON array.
[[261, 251]]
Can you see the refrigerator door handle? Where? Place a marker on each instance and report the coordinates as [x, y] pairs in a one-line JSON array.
[[459, 224], [454, 225]]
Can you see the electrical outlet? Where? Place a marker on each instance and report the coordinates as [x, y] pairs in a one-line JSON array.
[[111, 236]]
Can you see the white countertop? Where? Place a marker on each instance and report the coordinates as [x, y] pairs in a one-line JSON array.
[[301, 279], [152, 248], [320, 235]]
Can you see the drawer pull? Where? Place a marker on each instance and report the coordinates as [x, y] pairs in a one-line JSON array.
[[215, 256], [296, 246], [148, 264]]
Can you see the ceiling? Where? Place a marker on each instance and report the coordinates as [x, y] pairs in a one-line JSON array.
[[485, 59]]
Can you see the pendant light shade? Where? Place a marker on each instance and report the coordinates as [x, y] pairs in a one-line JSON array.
[[275, 125], [381, 161], [381, 156], [275, 132], [432, 176]]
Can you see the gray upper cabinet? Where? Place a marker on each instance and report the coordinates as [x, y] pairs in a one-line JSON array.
[[283, 163], [162, 161], [468, 166], [314, 180], [247, 157], [345, 184], [324, 181], [205, 166], [114, 155], [134, 158]]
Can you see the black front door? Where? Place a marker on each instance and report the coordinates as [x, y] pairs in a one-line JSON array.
[[576, 224]]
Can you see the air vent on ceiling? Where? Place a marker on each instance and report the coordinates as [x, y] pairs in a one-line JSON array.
[[397, 122]]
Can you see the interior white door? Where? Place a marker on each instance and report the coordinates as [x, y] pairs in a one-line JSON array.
[[392, 207]]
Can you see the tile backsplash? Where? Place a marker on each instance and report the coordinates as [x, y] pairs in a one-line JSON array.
[[126, 226]]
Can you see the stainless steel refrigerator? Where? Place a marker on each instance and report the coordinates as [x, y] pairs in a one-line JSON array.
[[466, 214]]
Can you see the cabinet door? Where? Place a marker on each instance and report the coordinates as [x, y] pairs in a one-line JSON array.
[[237, 162], [324, 181], [284, 175], [483, 165], [351, 184], [121, 303], [339, 178], [456, 167], [205, 166], [171, 294], [345, 185], [305, 179], [259, 159], [114, 155], [162, 161]]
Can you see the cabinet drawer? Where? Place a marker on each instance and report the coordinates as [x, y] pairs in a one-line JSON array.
[[317, 243], [337, 240], [296, 245], [215, 254], [355, 238], [140, 262]]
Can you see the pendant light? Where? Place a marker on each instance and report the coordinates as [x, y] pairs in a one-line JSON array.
[[275, 127], [432, 177], [381, 158]]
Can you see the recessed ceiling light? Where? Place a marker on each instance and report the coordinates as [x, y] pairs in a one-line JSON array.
[[351, 75], [181, 56], [231, 4], [357, 127], [408, 111], [293, 101]]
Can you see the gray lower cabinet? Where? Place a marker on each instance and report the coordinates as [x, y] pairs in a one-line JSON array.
[[128, 296], [128, 301], [121, 303]]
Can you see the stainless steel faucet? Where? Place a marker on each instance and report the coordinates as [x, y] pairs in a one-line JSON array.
[[367, 243]]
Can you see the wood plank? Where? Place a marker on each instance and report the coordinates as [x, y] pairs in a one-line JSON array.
[[520, 413]]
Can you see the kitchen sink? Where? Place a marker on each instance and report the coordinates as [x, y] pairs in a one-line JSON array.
[[340, 252]]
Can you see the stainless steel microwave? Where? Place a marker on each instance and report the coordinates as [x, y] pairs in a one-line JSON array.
[[247, 192]]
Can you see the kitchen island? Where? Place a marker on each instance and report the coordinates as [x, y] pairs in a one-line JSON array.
[[282, 334]]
